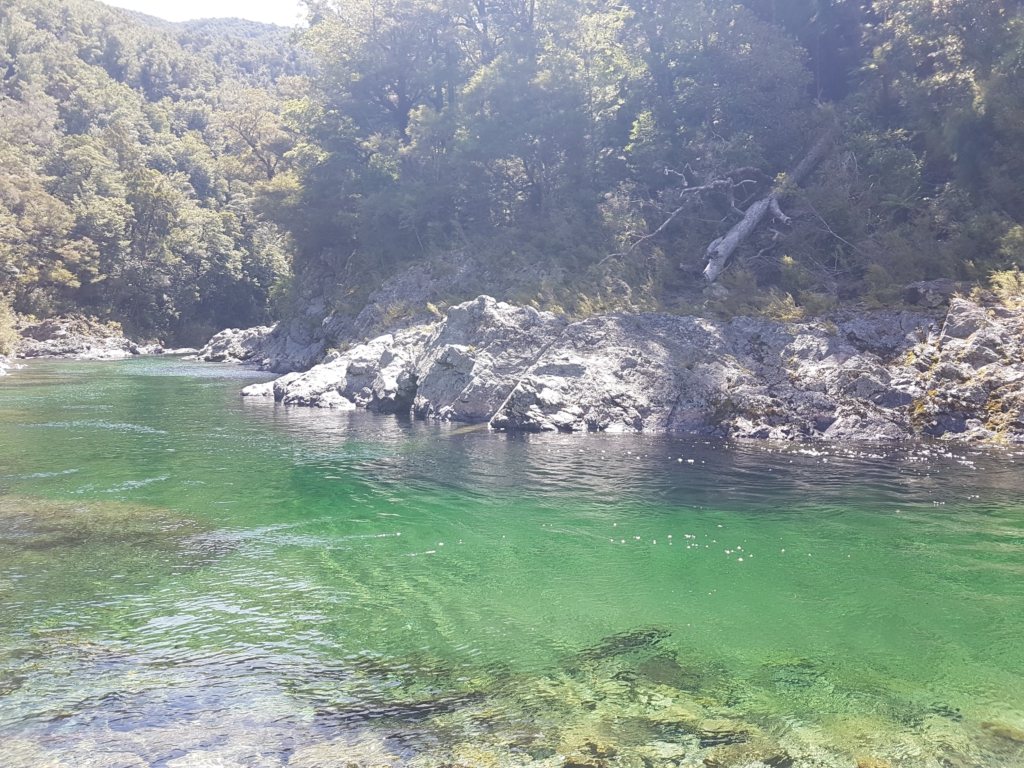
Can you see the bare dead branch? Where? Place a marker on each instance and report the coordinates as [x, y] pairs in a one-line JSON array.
[[773, 206], [721, 250]]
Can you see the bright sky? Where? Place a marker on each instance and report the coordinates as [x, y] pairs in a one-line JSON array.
[[287, 13]]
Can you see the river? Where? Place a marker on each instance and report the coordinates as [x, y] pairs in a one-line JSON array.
[[190, 579]]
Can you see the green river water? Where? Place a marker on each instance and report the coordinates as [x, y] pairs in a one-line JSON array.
[[189, 579]]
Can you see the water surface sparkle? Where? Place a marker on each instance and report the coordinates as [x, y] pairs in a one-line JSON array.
[[187, 578]]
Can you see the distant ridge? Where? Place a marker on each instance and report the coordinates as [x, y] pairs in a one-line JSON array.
[[223, 24], [236, 25]]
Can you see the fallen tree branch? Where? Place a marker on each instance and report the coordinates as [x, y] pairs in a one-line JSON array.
[[720, 251], [727, 185]]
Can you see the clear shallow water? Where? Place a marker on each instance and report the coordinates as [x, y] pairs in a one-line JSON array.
[[189, 579]]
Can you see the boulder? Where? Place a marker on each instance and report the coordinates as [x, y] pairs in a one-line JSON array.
[[930, 293], [473, 360], [235, 345], [963, 320], [867, 376]]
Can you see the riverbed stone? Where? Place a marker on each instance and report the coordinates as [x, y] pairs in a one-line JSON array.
[[757, 752], [1005, 732], [201, 758], [872, 762], [345, 753]]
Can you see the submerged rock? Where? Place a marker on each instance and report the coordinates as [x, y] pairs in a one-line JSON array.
[[725, 732], [868, 376], [758, 751], [345, 753], [872, 762], [1006, 732], [623, 643]]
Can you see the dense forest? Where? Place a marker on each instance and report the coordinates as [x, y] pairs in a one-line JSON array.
[[607, 145], [179, 178], [130, 155]]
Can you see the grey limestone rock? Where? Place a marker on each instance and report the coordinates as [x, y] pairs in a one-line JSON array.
[[405, 300], [77, 337], [473, 360], [458, 370], [296, 344], [876, 376], [235, 345], [930, 293]]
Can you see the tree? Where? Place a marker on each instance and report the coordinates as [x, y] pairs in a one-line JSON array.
[[119, 193]]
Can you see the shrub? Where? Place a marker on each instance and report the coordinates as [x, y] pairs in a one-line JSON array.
[[8, 332], [784, 309], [1008, 285]]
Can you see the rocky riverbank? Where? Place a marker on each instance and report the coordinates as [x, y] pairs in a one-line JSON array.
[[405, 299], [80, 338], [877, 376]]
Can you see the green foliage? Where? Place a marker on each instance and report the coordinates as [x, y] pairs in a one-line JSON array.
[[881, 288], [211, 173], [128, 167], [1008, 285], [534, 137], [8, 331], [1011, 246], [549, 140]]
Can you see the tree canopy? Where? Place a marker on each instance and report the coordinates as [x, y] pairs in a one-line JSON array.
[[130, 153], [559, 136], [170, 176]]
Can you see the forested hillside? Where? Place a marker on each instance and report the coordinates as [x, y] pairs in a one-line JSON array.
[[594, 145], [130, 150], [583, 155]]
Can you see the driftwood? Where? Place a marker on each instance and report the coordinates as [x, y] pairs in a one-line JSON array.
[[722, 249], [746, 181]]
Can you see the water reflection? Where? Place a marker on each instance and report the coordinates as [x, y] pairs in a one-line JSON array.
[[664, 468], [312, 588]]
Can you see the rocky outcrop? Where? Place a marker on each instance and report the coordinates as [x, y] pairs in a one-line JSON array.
[[78, 338], [235, 345], [405, 300], [474, 359], [862, 376], [462, 369], [295, 344], [972, 379]]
